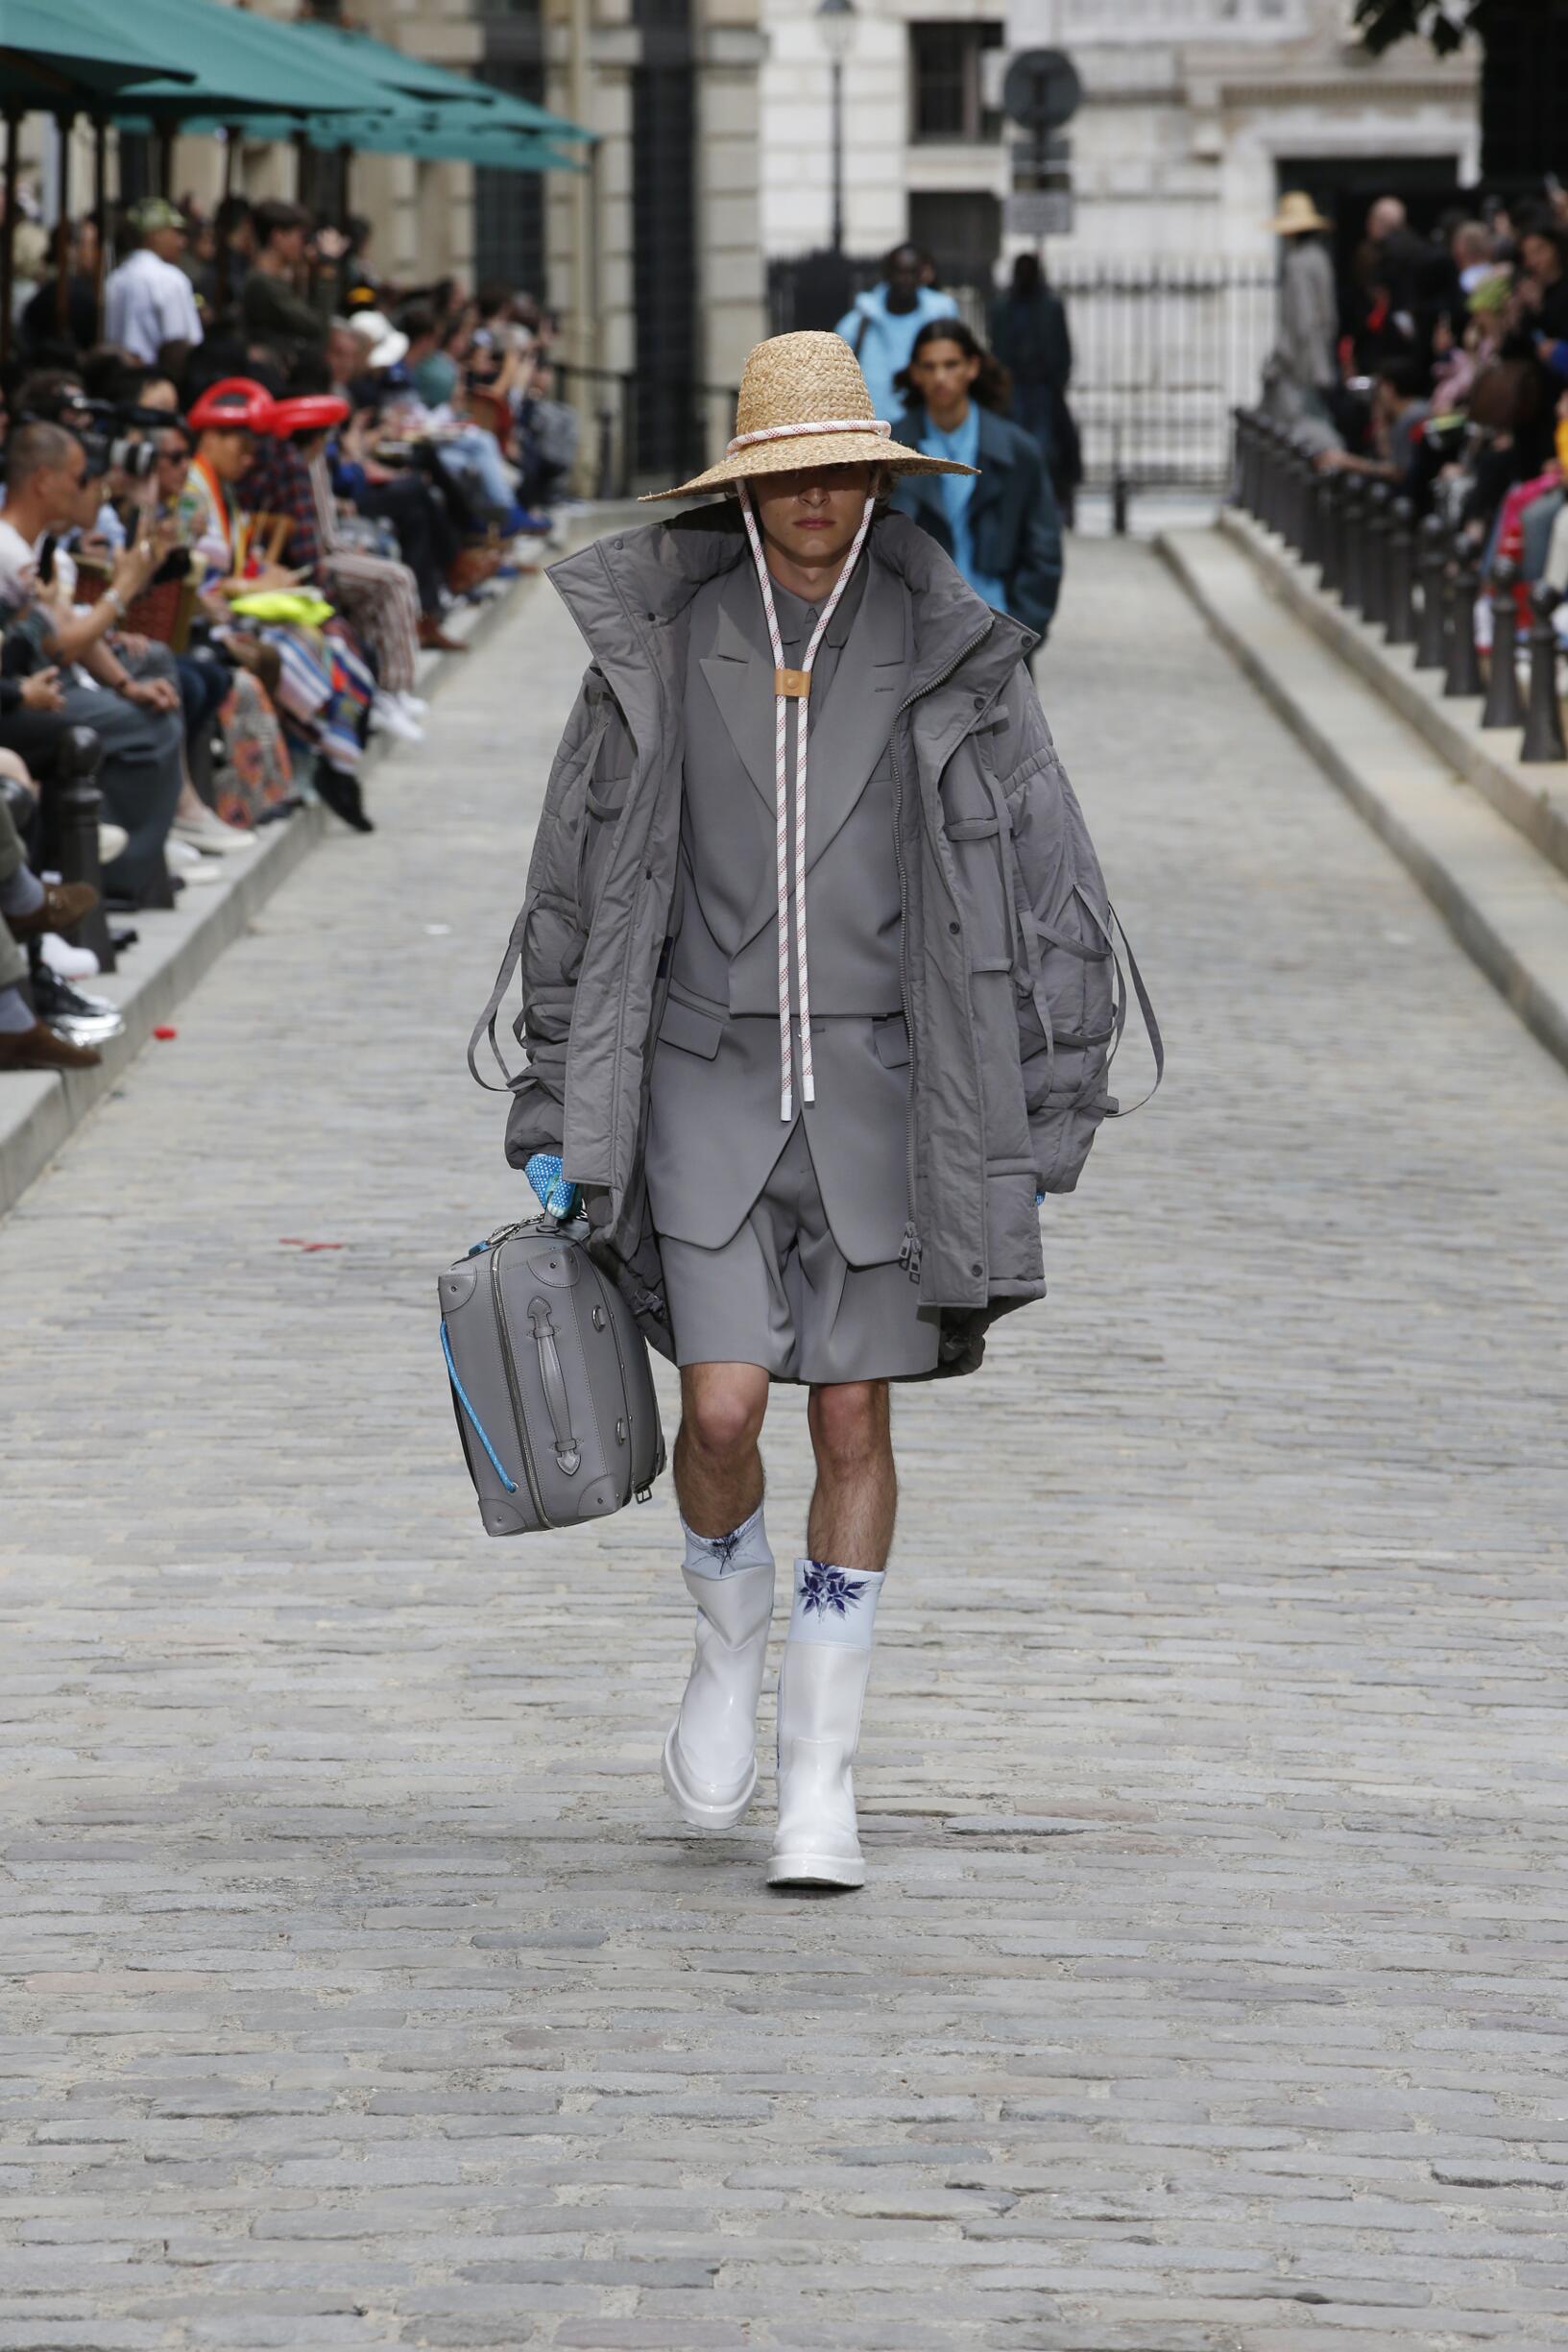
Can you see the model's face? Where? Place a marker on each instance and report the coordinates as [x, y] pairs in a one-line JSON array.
[[942, 372], [811, 517]]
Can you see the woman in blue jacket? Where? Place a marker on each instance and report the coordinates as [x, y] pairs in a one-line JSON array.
[[1002, 529]]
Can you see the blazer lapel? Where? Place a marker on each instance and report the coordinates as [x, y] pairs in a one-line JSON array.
[[857, 719], [739, 676]]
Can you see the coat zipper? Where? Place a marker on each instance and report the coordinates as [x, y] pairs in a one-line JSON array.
[[514, 1392], [912, 1248]]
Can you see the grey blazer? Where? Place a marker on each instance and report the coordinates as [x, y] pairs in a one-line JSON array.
[[714, 1130]]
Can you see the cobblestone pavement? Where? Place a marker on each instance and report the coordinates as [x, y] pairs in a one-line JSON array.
[[1209, 1987]]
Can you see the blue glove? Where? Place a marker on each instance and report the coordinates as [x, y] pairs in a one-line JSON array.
[[557, 1196]]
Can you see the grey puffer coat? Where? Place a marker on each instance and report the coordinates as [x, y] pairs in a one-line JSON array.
[[1008, 963]]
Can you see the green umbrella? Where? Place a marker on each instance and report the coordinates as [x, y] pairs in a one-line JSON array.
[[391, 73], [62, 56], [234, 64], [433, 135]]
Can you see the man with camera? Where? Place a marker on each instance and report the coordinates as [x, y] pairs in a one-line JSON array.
[[50, 489]]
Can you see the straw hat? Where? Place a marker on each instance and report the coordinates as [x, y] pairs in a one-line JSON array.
[[803, 403], [1298, 215]]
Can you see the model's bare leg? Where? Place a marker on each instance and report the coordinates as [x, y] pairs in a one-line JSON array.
[[711, 1752], [718, 1469], [857, 1491]]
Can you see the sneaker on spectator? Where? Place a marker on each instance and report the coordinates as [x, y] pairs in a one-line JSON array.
[[413, 704], [523, 521], [112, 841], [186, 862], [70, 963], [388, 714], [70, 1011], [208, 832]]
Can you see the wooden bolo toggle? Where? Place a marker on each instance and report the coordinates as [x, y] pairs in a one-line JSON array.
[[794, 683]]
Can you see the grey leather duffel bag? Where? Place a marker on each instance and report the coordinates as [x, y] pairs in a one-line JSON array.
[[550, 1381]]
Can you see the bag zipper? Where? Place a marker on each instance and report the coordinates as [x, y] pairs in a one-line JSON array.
[[512, 1389], [912, 1248]]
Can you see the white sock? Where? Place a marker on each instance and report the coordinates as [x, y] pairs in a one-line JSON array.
[[835, 1604], [745, 1546]]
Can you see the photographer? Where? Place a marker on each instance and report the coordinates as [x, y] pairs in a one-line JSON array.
[[137, 719]]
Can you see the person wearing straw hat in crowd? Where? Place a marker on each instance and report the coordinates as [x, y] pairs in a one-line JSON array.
[[816, 1005], [1301, 373]]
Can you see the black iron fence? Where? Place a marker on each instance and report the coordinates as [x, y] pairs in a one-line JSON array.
[[1417, 588]]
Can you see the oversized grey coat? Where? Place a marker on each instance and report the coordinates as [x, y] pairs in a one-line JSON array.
[[1008, 963]]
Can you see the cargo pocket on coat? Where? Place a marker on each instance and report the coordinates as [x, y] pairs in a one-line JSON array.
[[602, 812], [1012, 1225], [693, 1025]]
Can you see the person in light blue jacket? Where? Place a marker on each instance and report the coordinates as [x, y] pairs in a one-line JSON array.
[[881, 327]]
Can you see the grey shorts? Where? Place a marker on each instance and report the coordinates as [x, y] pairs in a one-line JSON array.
[[781, 1293]]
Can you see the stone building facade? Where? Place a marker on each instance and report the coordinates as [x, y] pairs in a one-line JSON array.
[[1194, 112]]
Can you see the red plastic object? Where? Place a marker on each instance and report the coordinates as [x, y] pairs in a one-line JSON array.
[[309, 412], [234, 403], [165, 1032]]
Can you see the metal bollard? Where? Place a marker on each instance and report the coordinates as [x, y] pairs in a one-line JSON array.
[[1430, 646], [1399, 596], [73, 808], [1301, 503], [1375, 600], [1462, 675], [1332, 533], [1352, 569], [1543, 714], [1240, 462], [1503, 707], [1312, 516]]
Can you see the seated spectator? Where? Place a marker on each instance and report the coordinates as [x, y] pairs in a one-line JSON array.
[[288, 477], [1001, 530], [137, 719], [149, 304], [325, 689], [28, 908], [467, 452]]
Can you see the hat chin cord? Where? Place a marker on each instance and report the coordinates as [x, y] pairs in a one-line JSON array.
[[794, 686]]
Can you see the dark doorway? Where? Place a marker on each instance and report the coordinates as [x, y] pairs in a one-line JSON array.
[[1345, 188], [1524, 94]]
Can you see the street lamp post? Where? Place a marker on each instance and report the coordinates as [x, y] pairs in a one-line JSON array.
[[837, 22]]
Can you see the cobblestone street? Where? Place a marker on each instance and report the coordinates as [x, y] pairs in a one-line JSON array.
[[1208, 1990]]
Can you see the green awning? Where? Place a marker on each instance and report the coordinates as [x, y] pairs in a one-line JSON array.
[[399, 76], [68, 54], [431, 135], [234, 64]]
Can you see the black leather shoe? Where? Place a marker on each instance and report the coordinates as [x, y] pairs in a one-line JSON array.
[[342, 796]]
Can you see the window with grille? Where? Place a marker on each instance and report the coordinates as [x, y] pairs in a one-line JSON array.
[[945, 81]]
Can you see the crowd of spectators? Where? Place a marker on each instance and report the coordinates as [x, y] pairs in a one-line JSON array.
[[245, 482], [1441, 369]]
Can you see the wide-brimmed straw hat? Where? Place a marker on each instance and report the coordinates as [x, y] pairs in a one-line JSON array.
[[1298, 215], [803, 403]]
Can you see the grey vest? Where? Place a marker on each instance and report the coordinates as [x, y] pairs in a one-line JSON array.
[[715, 1129]]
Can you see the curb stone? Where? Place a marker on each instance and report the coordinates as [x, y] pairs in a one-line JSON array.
[[1504, 901]]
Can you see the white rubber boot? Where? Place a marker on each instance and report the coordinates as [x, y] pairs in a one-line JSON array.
[[711, 1752], [822, 1689]]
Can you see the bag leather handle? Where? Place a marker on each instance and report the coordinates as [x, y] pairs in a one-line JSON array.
[[568, 1452]]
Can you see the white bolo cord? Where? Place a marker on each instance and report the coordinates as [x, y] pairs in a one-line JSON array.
[[794, 686]]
